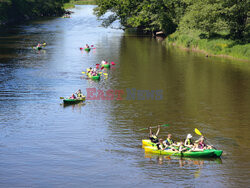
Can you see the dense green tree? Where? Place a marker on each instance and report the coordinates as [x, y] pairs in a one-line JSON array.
[[237, 13], [11, 10]]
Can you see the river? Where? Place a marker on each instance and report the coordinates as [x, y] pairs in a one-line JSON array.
[[98, 144]]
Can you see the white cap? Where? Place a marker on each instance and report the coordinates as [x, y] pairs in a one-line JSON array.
[[189, 136]]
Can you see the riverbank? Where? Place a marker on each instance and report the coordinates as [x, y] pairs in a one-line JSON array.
[[12, 12], [72, 3], [216, 46]]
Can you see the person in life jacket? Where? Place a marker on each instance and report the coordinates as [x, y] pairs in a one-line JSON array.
[[169, 141], [79, 93], [161, 145], [188, 142], [152, 136], [86, 46], [182, 148]]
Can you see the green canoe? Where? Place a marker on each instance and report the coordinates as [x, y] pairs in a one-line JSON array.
[[97, 77], [38, 48], [73, 101], [106, 65], [211, 153], [87, 49]]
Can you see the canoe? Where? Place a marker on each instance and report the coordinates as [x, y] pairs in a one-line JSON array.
[[38, 48], [97, 77], [106, 65], [210, 153], [74, 101], [147, 142], [87, 49]]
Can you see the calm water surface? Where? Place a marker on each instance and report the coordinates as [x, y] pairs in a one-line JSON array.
[[43, 144]]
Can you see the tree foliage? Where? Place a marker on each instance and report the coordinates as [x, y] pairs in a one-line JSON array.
[[206, 16], [11, 10]]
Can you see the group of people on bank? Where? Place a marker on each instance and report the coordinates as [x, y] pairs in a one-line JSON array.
[[182, 146]]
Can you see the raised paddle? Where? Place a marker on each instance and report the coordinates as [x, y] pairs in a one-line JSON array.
[[165, 125], [61, 97], [199, 133], [112, 63]]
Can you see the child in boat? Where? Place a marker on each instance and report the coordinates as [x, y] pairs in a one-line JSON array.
[[152, 136], [160, 145], [182, 148], [86, 46], [196, 147], [202, 145], [73, 96], [169, 141], [188, 142]]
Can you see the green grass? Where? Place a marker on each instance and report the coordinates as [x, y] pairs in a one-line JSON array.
[[215, 46], [72, 3]]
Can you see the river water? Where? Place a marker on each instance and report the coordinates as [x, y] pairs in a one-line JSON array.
[[98, 144]]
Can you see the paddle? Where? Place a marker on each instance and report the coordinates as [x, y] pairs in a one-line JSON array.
[[61, 97], [165, 125], [83, 72], [112, 63], [199, 133]]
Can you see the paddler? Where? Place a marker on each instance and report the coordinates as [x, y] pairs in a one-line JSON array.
[[188, 142], [152, 136], [79, 93], [86, 46], [202, 145]]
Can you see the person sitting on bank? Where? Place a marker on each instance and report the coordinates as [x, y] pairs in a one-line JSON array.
[[188, 142], [169, 141], [153, 137]]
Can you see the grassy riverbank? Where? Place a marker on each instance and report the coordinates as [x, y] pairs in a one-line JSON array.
[[72, 3], [214, 46]]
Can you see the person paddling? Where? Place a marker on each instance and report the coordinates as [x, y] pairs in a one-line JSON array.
[[152, 136], [86, 46], [79, 93], [202, 145]]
